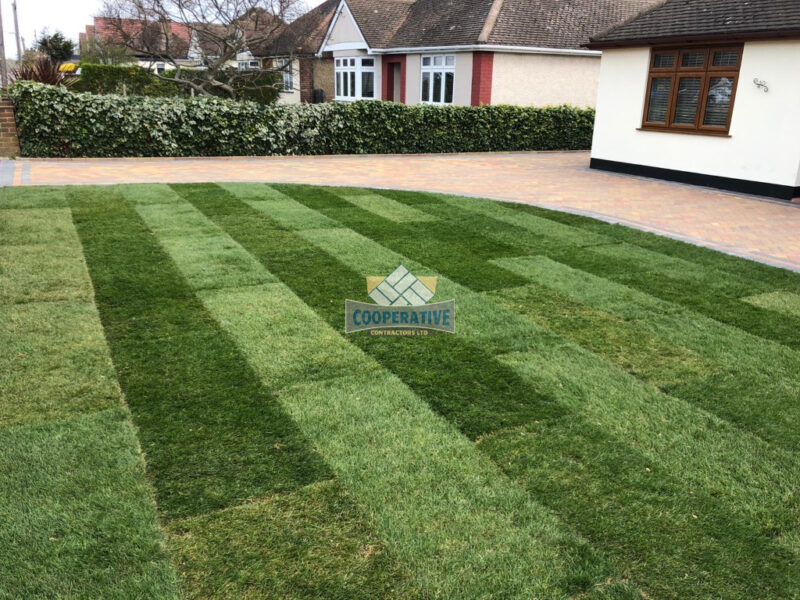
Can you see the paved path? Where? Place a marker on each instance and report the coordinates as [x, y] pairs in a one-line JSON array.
[[744, 225]]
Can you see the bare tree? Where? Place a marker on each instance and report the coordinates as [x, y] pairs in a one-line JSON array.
[[202, 40]]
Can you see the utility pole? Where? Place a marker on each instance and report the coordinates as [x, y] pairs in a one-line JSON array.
[[16, 32], [3, 65]]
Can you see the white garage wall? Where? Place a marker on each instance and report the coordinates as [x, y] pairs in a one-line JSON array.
[[764, 142]]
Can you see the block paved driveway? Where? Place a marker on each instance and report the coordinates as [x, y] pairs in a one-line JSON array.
[[764, 230]]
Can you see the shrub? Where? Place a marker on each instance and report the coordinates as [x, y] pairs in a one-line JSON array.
[[110, 79], [42, 70], [56, 123]]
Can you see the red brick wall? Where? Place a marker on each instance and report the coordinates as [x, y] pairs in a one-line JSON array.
[[9, 143], [482, 66], [306, 79]]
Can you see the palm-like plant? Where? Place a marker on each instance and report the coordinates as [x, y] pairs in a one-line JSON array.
[[43, 70]]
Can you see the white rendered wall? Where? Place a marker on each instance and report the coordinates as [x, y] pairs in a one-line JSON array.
[[764, 142]]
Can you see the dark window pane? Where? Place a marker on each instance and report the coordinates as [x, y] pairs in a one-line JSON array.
[[353, 84], [367, 85], [338, 84], [693, 59], [663, 61], [345, 87], [367, 62], [448, 87], [660, 90], [426, 87], [688, 99], [437, 87], [726, 59], [718, 104]]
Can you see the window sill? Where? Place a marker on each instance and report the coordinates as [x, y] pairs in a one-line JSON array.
[[722, 134]]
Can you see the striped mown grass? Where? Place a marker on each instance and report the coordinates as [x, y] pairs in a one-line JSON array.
[[615, 417], [78, 517], [212, 433]]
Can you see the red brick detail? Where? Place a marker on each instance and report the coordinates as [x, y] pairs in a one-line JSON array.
[[306, 79], [482, 67], [389, 60], [9, 142]]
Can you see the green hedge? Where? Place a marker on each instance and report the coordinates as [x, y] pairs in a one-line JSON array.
[[110, 79], [53, 122]]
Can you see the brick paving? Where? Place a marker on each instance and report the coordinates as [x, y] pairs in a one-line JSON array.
[[738, 224]]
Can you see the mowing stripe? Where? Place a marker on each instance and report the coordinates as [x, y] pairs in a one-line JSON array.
[[384, 207], [77, 514], [40, 256], [743, 542], [697, 442], [709, 462], [743, 406], [755, 383], [54, 362], [212, 433], [309, 543], [672, 543], [748, 269], [787, 303], [711, 292], [33, 197], [257, 546], [446, 249], [478, 400], [462, 527]]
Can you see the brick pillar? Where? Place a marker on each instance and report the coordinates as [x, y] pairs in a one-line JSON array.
[[306, 79], [9, 142], [482, 68]]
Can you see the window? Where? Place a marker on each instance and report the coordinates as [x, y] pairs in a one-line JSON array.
[[249, 65], [438, 78], [692, 89], [288, 75], [355, 78], [160, 68]]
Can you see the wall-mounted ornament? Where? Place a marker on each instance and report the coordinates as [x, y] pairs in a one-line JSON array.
[[762, 85]]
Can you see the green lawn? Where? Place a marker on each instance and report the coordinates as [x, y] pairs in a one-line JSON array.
[[182, 415]]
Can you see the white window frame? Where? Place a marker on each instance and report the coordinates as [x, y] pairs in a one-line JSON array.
[[349, 72], [431, 65], [286, 67], [249, 65]]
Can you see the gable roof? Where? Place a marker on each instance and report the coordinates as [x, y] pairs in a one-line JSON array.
[[562, 24], [134, 32], [698, 20], [305, 34]]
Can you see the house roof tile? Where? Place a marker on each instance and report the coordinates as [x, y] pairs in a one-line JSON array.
[[705, 19], [565, 24]]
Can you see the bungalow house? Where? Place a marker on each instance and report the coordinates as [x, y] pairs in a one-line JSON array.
[[704, 92], [308, 73], [470, 52]]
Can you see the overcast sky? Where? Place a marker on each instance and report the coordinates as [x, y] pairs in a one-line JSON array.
[[67, 16]]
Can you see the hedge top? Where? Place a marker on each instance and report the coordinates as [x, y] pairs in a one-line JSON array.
[[54, 122]]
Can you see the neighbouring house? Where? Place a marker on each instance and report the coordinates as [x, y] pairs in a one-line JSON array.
[[293, 48], [704, 92], [471, 52], [183, 45], [308, 72]]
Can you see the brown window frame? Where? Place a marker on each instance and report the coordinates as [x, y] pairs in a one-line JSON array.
[[677, 72]]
